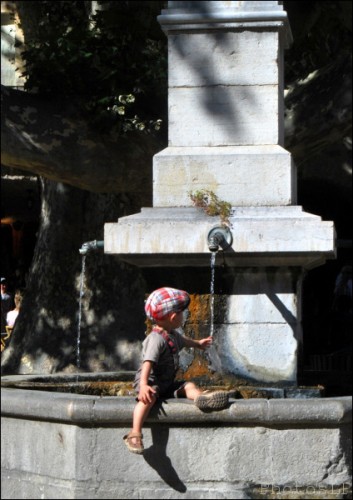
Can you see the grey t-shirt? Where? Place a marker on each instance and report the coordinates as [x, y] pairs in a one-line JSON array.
[[156, 349]]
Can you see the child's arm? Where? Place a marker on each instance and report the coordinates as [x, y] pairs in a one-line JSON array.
[[202, 344], [146, 393]]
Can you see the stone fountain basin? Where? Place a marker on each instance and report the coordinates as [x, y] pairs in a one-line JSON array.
[[66, 445], [121, 384]]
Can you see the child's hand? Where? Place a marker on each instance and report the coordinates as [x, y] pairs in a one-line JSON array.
[[147, 394], [205, 343]]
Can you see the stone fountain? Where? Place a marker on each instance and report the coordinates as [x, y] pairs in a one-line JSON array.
[[226, 124], [225, 136]]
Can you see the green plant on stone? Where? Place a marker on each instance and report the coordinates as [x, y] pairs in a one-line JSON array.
[[211, 204]]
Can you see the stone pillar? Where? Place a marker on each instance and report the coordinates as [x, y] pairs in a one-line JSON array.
[[225, 125], [225, 78]]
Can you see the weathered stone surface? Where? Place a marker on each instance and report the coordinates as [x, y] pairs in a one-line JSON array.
[[241, 175], [205, 59], [224, 116], [47, 452], [256, 306], [262, 351], [261, 236]]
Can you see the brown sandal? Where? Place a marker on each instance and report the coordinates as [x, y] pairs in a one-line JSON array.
[[134, 447]]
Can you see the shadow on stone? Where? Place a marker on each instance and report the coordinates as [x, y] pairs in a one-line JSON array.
[[156, 457]]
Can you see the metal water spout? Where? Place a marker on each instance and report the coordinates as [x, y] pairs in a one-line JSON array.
[[220, 237], [89, 246]]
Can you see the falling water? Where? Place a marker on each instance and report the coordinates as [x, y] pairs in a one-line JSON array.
[[215, 362], [78, 360], [213, 262]]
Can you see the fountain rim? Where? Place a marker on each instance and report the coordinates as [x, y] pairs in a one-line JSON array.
[[94, 410]]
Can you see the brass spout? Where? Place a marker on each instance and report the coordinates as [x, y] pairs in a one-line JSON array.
[[89, 246]]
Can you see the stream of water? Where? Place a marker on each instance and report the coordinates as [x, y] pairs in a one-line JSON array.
[[78, 356], [213, 356], [213, 265]]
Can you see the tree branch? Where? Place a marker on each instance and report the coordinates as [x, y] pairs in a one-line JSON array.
[[54, 141]]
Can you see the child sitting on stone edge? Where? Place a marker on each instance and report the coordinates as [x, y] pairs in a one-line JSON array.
[[160, 360]]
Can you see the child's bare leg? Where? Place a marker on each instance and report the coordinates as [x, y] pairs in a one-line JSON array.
[[190, 390], [141, 412], [133, 439]]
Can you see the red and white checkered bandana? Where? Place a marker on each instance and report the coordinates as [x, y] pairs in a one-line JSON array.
[[166, 300]]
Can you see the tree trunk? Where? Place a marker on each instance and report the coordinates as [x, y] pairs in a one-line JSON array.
[[45, 336]]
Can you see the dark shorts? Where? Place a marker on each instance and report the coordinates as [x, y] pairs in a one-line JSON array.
[[166, 392]]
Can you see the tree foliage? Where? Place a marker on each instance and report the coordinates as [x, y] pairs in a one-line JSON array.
[[113, 62], [322, 32]]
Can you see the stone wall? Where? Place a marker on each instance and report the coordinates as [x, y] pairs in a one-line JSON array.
[[57, 445]]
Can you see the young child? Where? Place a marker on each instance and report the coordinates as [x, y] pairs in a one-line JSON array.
[[160, 354]]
